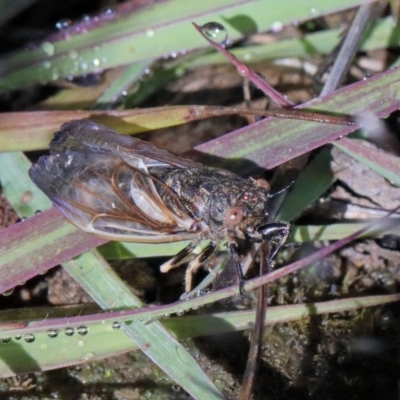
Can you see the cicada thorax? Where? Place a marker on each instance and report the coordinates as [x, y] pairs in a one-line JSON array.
[[226, 205], [218, 198]]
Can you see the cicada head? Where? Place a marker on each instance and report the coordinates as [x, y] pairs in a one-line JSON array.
[[248, 212]]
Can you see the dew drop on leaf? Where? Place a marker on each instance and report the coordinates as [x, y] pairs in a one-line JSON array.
[[69, 331], [88, 356], [29, 338], [109, 11], [52, 333], [8, 292], [48, 48], [215, 32], [63, 24], [73, 54], [149, 33], [116, 325], [82, 330], [277, 26]]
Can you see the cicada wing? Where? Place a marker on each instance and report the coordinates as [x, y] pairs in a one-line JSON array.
[[85, 135], [102, 194]]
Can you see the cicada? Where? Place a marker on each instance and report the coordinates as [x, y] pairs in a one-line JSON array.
[[122, 188]]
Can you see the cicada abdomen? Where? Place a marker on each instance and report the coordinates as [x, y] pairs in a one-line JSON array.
[[125, 189]]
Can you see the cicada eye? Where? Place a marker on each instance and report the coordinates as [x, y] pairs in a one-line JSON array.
[[234, 216], [263, 184]]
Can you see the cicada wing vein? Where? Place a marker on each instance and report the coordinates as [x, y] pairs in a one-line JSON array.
[[101, 193], [85, 135]]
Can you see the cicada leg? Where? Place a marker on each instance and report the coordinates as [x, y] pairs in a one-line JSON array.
[[198, 262], [233, 248], [183, 256], [276, 233], [186, 255]]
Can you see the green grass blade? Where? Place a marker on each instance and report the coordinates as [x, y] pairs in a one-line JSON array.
[[378, 160], [151, 33], [102, 340], [311, 183], [106, 288]]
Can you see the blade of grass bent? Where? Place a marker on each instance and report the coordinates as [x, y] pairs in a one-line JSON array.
[[107, 289], [27, 131], [378, 160], [272, 141], [33, 130], [102, 340]]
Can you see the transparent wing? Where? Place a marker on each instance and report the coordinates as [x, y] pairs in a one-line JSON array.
[[85, 135], [105, 188]]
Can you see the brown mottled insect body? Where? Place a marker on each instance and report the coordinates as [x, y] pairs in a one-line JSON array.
[[207, 193], [125, 189]]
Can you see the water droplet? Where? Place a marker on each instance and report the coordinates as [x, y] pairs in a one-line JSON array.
[[386, 319], [69, 331], [85, 18], [46, 64], [108, 11], [314, 11], [8, 292], [73, 54], [88, 356], [43, 346], [180, 313], [48, 48], [55, 75], [150, 33], [216, 32], [29, 338], [52, 333], [96, 62], [26, 197], [80, 343], [116, 325], [277, 26], [84, 65], [82, 330], [63, 24], [6, 339], [18, 337]]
